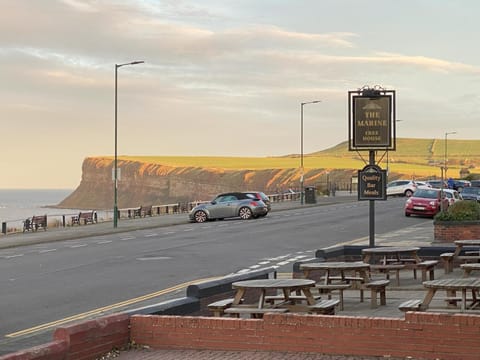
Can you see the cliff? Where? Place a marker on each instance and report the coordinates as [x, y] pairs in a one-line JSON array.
[[153, 184]]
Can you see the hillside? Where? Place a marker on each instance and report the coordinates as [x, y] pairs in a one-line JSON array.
[[160, 180]]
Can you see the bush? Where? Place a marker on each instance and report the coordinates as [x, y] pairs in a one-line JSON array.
[[464, 210]]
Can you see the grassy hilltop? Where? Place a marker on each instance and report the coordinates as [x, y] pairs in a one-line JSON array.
[[414, 158]]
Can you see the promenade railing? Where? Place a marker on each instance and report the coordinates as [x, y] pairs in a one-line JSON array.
[[59, 220]]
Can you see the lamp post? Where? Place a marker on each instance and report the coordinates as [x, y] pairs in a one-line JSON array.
[[301, 146], [445, 167], [115, 166]]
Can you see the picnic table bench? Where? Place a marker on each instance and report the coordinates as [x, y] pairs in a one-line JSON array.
[[468, 256], [35, 222], [85, 217], [451, 287], [469, 267]]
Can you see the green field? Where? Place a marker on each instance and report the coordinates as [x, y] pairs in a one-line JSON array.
[[417, 158]]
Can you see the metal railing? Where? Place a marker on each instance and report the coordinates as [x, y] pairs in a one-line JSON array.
[[66, 220]]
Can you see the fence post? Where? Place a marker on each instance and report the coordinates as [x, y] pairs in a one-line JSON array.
[[63, 220]]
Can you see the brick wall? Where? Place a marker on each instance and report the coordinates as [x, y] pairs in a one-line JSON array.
[[85, 340], [449, 231], [419, 335]]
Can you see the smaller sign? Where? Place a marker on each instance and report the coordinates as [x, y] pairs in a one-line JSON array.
[[372, 183]]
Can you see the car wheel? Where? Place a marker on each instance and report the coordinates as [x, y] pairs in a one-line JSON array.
[[408, 193], [245, 213], [200, 216]]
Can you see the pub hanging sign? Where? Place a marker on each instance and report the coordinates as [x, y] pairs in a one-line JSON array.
[[372, 183], [371, 119]]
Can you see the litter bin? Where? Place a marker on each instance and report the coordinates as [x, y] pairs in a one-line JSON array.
[[310, 197]]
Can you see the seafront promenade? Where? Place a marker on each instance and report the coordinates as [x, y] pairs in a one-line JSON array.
[[126, 224]]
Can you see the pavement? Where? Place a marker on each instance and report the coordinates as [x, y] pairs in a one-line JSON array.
[[409, 288]]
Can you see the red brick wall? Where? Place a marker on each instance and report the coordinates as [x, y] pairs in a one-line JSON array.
[[449, 231], [419, 335], [86, 340]]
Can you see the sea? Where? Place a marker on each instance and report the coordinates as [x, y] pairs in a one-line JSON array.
[[18, 204]]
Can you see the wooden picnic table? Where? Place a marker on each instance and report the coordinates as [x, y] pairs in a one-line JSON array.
[[459, 244], [400, 254], [451, 286], [287, 287], [473, 255], [342, 267]]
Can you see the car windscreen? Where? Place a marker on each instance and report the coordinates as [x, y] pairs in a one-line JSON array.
[[425, 193]]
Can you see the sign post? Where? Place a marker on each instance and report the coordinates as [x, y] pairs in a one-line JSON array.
[[372, 128]]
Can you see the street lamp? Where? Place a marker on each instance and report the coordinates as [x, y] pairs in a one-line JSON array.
[[115, 170], [445, 167], [301, 146]]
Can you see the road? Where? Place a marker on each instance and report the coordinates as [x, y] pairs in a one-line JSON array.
[[49, 282]]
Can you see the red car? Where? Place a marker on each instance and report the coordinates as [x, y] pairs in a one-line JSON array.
[[425, 202]]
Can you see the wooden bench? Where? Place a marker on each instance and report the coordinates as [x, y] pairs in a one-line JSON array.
[[85, 217], [270, 299], [218, 307], [143, 211], [410, 305], [252, 311], [466, 258], [385, 269], [469, 267], [324, 307], [377, 287], [447, 261], [427, 267], [329, 288], [27, 225], [35, 222], [348, 279]]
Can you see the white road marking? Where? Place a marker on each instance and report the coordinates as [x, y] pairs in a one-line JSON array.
[[127, 238], [46, 251], [12, 256], [151, 235], [78, 246], [104, 242]]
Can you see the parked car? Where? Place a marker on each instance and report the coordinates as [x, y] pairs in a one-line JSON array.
[[452, 195], [422, 184], [475, 183], [471, 193], [401, 188], [437, 184], [260, 196], [228, 205], [425, 202], [459, 185]]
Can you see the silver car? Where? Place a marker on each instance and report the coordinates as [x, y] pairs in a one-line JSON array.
[[235, 204]]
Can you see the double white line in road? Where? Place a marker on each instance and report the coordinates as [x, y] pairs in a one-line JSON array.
[[105, 308]]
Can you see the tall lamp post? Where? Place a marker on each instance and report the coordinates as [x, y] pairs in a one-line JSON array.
[[301, 146], [115, 170], [445, 167]]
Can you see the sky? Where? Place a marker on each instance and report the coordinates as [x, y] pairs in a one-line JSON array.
[[221, 77]]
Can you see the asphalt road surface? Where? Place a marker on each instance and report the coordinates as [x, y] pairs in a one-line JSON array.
[[47, 285]]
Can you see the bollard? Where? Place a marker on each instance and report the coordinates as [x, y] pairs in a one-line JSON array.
[[4, 228]]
